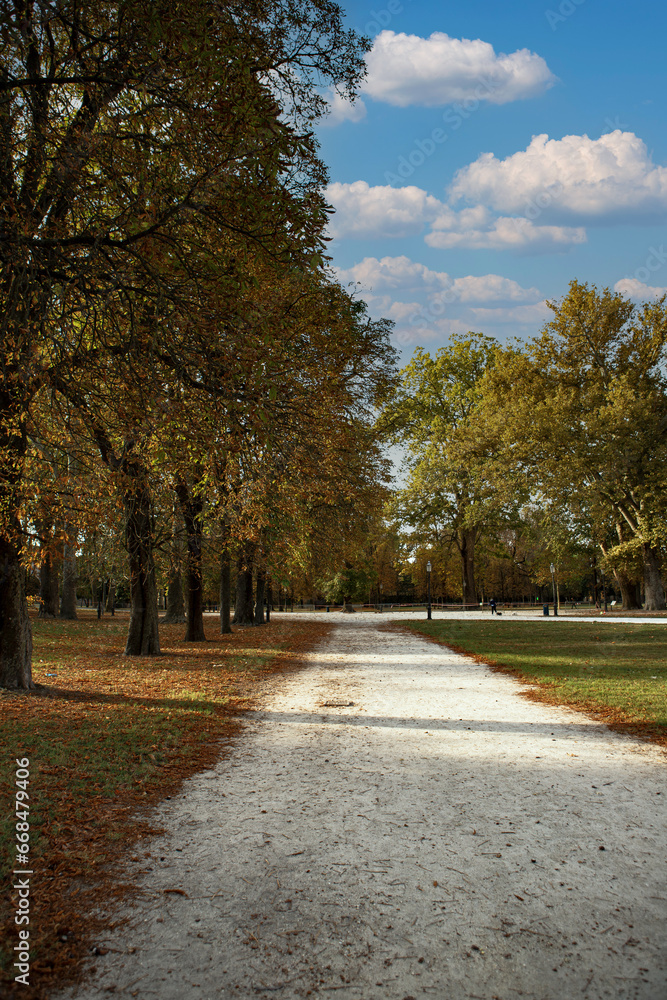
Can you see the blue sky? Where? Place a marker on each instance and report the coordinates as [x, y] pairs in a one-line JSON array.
[[499, 151]]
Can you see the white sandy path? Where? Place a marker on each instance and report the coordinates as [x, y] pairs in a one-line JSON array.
[[439, 837]]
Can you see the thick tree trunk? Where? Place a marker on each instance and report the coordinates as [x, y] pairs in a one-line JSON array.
[[225, 586], [269, 599], [628, 588], [175, 602], [111, 597], [244, 612], [15, 631], [68, 598], [347, 605], [192, 508], [259, 596], [175, 612], [654, 592], [48, 583], [143, 637]]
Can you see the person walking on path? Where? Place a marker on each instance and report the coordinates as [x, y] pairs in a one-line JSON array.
[[492, 605]]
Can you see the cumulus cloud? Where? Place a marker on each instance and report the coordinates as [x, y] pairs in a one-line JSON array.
[[503, 233], [529, 314], [394, 273], [606, 178], [635, 289], [401, 274], [405, 70], [428, 305], [342, 110], [363, 211]]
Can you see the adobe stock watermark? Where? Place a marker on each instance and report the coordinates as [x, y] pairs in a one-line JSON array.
[[382, 18], [434, 309], [22, 871], [453, 118], [563, 12], [656, 259]]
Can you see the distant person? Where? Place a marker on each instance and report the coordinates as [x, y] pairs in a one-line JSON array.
[[492, 605]]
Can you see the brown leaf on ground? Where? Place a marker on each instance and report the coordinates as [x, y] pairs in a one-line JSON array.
[[107, 741]]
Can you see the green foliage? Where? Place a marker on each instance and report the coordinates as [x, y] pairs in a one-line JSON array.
[[587, 423], [456, 486]]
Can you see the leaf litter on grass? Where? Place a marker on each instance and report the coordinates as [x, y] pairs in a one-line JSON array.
[[108, 737]]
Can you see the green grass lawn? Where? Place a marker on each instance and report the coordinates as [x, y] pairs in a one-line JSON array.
[[617, 671]]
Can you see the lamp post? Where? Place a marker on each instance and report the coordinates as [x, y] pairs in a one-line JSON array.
[[428, 575], [553, 587]]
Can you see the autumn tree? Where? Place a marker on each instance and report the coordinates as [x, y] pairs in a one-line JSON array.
[[587, 418], [454, 489], [120, 123]]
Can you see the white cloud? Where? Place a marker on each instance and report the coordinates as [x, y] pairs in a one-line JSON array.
[[402, 275], [429, 306], [365, 211], [502, 233], [394, 273], [342, 110], [407, 69], [635, 289], [493, 288], [532, 314], [606, 178]]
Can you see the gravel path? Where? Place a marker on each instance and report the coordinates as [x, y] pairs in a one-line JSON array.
[[397, 822]]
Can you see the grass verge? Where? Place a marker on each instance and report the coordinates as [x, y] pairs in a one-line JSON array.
[[107, 737], [617, 673]]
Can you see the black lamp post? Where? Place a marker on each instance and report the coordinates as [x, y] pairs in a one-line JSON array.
[[428, 575], [553, 587]]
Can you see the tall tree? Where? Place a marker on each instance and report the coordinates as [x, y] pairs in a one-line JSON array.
[[120, 123], [453, 485], [588, 417]]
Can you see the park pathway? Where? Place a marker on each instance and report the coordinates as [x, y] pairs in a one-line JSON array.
[[397, 822]]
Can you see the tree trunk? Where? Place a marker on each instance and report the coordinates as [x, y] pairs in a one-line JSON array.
[[143, 637], [225, 585], [347, 605], [259, 596], [111, 597], [192, 508], [628, 588], [244, 612], [48, 582], [175, 612], [68, 599], [175, 601], [269, 599], [15, 631], [654, 592], [466, 544]]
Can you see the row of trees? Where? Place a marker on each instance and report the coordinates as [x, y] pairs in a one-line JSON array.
[[552, 450], [176, 357]]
